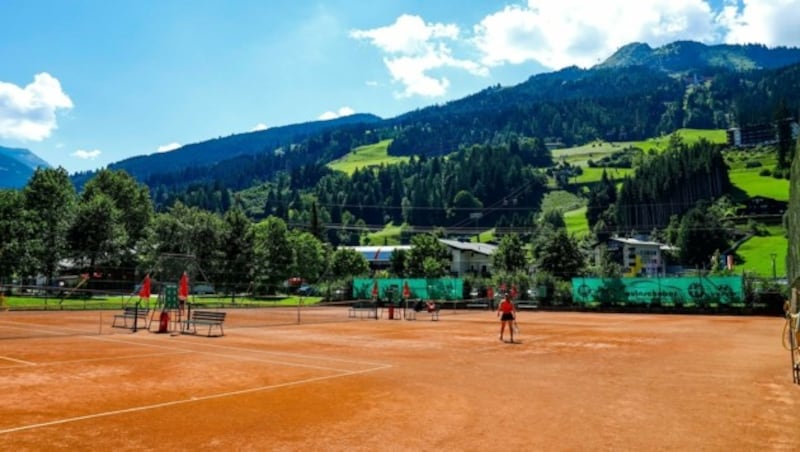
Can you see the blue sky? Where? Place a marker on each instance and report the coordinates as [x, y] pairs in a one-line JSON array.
[[84, 83]]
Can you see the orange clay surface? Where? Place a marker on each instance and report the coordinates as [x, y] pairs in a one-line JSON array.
[[574, 381]]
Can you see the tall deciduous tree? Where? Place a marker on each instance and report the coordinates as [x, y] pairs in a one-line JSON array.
[[14, 233], [272, 253], [131, 199], [237, 238], [510, 256], [426, 247], [700, 235], [50, 201], [348, 263], [96, 234], [557, 253], [309, 256]]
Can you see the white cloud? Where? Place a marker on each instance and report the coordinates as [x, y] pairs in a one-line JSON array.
[[344, 111], [409, 35], [562, 33], [259, 127], [772, 23], [169, 147], [87, 155], [414, 49], [575, 32], [29, 113]]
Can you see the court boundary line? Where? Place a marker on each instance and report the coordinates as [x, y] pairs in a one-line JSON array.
[[189, 400], [88, 360], [243, 358], [20, 361]]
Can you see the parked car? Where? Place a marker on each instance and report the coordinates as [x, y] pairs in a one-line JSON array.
[[306, 290], [203, 289]]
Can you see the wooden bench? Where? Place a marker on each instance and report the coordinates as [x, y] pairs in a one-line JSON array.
[[133, 314], [363, 309], [205, 318]]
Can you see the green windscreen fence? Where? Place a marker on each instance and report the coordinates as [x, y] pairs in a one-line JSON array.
[[392, 288], [675, 291]]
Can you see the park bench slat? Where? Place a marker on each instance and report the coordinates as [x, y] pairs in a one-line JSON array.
[[205, 318]]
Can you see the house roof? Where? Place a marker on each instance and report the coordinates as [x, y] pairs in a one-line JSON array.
[[636, 242], [481, 248], [384, 252], [379, 253]]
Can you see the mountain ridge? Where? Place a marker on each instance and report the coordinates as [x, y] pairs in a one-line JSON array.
[[17, 166], [680, 56], [636, 93]]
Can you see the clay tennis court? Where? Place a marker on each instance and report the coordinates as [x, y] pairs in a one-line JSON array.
[[575, 381]]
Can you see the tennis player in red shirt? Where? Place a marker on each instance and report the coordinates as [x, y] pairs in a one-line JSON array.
[[507, 313]]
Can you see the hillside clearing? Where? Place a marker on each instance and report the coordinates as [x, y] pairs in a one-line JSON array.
[[366, 156], [757, 253]]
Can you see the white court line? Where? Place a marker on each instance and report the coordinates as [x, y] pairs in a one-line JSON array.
[[189, 400], [39, 328], [241, 358], [88, 360], [295, 355], [28, 363]]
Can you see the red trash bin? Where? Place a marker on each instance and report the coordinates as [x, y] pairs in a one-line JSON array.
[[163, 322]]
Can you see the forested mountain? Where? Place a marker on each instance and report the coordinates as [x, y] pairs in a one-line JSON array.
[[637, 93], [190, 163], [574, 106], [17, 166], [689, 56]]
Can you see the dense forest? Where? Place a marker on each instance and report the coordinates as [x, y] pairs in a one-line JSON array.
[[637, 93]]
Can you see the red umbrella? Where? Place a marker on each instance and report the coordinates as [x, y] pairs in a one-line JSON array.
[[406, 290], [144, 292], [375, 290], [183, 287]]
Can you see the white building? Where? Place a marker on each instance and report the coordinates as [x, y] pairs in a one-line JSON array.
[[638, 257], [466, 257]]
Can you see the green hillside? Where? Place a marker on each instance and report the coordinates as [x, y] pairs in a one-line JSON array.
[[757, 252], [746, 167], [688, 136], [576, 222], [364, 156]]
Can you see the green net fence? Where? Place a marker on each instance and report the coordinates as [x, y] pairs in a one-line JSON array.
[[391, 289], [672, 291]]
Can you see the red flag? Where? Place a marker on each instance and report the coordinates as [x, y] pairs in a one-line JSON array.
[[406, 290], [144, 292], [183, 287], [375, 290]]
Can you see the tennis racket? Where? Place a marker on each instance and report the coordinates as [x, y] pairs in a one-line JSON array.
[[516, 327]]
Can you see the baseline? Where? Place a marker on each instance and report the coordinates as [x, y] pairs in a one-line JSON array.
[[187, 401]]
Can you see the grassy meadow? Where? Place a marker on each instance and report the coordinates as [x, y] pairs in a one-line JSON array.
[[756, 253], [746, 167], [688, 136], [389, 235], [366, 156]]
